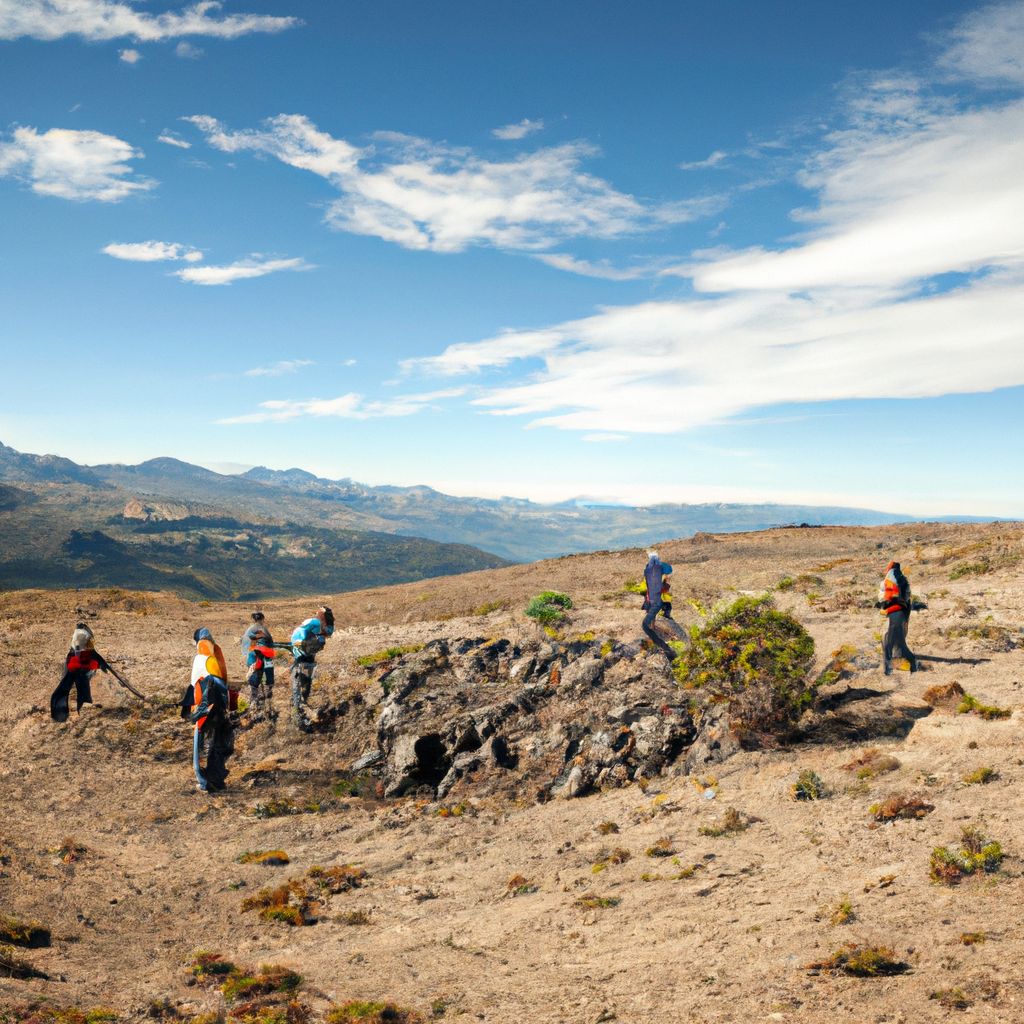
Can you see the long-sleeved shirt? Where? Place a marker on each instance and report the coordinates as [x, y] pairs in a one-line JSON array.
[[248, 637]]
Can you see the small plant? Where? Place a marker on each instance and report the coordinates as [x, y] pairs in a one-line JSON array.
[[662, 848], [361, 1012], [951, 999], [946, 696], [207, 966], [287, 904], [949, 865], [980, 776], [843, 913], [635, 586], [15, 932], [731, 822], [270, 978], [871, 763], [549, 607], [355, 918], [452, 810], [971, 705], [597, 902], [972, 938], [266, 858], [862, 962], [519, 885], [610, 857], [489, 606], [786, 583], [340, 878], [607, 828], [808, 786], [970, 569], [379, 657], [71, 850], [901, 805]]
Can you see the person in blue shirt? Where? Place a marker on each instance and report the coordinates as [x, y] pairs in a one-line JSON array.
[[654, 577], [307, 641]]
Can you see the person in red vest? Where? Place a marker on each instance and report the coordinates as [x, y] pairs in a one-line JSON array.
[[894, 600], [80, 665]]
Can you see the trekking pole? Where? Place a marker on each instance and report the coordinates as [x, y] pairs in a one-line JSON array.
[[124, 682]]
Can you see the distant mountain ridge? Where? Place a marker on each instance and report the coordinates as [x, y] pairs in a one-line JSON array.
[[515, 529]]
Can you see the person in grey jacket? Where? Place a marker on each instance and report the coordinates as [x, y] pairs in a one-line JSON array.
[[654, 575], [258, 650]]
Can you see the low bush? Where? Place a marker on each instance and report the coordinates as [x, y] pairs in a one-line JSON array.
[[871, 763], [753, 658], [379, 657], [980, 776], [731, 822], [901, 805], [808, 786], [362, 1012], [549, 607], [949, 865], [267, 858], [862, 961]]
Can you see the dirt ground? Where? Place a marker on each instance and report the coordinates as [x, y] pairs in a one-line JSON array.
[[731, 941]]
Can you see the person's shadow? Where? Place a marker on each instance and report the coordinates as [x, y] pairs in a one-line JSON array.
[[952, 661]]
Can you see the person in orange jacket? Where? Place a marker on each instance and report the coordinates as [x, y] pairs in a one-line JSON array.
[[894, 600], [208, 705]]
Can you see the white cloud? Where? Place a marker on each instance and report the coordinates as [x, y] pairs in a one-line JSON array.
[[98, 20], [512, 132], [604, 438], [169, 139], [715, 159], [986, 46], [186, 51], [151, 252], [350, 406], [602, 269], [907, 281], [424, 195], [240, 270], [279, 369], [72, 164], [130, 56]]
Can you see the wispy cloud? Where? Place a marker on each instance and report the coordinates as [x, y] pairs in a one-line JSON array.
[[169, 139], [986, 46], [601, 269], [512, 132], [240, 270], [73, 164], [98, 20], [279, 369], [604, 438], [906, 280], [152, 252], [186, 51], [715, 159], [130, 56], [425, 195], [351, 406]]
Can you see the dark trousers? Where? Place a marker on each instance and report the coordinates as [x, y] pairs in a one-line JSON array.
[[302, 681], [79, 679], [895, 643], [263, 675], [652, 633], [215, 740]]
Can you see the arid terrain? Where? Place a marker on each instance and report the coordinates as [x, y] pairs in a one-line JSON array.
[[509, 899]]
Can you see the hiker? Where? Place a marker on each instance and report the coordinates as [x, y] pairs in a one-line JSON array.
[[206, 704], [258, 649], [80, 666], [894, 600], [654, 577], [666, 598], [307, 641]]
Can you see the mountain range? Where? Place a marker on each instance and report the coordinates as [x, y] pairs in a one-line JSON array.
[[168, 524]]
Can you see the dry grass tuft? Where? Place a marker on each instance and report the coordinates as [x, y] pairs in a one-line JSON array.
[[731, 822], [872, 762], [862, 962], [901, 806]]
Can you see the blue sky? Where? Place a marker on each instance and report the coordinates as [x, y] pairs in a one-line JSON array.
[[682, 251]]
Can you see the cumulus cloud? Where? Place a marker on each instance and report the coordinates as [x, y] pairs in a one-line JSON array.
[[130, 56], [98, 20], [425, 195], [72, 164], [253, 266], [512, 132], [170, 139], [351, 406], [279, 369], [152, 252], [906, 280]]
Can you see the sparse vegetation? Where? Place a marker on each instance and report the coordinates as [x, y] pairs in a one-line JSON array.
[[549, 607], [14, 966], [288, 904], [958, 572], [591, 902], [972, 938], [379, 657], [267, 858], [15, 932], [753, 658], [951, 999], [871, 763], [901, 805], [340, 878], [661, 848], [362, 1012], [731, 822], [862, 961], [808, 786], [990, 712], [980, 776], [976, 853], [71, 850], [608, 858], [843, 913], [607, 828], [520, 885]]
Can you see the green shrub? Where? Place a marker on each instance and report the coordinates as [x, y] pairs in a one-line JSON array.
[[990, 712], [379, 657], [862, 961], [808, 786], [753, 657], [549, 607], [949, 865]]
